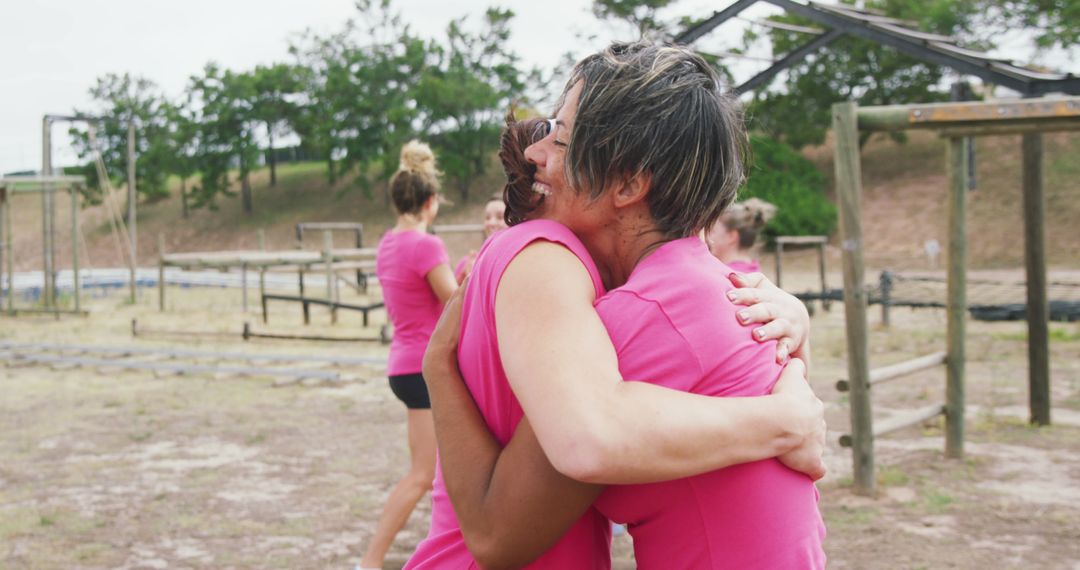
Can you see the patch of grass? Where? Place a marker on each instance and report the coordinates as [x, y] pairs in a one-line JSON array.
[[1056, 334], [858, 516], [937, 500], [255, 438], [46, 520], [892, 477], [140, 436]]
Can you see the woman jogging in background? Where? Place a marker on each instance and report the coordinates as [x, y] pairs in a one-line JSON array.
[[414, 272]]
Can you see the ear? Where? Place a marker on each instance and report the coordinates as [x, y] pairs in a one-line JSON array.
[[632, 190]]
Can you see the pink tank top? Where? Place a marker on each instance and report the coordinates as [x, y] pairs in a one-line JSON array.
[[751, 266], [682, 333], [587, 544], [402, 263]]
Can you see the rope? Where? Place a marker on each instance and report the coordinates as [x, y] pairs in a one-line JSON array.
[[119, 229]]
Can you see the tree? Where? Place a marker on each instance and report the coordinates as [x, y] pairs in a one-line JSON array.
[[643, 15], [275, 89], [182, 146], [359, 106], [853, 69], [119, 100], [223, 103], [464, 93]]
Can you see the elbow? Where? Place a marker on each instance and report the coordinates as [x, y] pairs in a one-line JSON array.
[[590, 458], [490, 552]]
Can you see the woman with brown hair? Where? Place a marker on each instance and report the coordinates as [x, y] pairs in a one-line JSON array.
[[643, 154]]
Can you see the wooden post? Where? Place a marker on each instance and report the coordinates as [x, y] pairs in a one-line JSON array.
[[849, 195], [161, 271], [1035, 265], [76, 292], [261, 235], [779, 262], [821, 271], [243, 287], [10, 257], [956, 302], [48, 271], [132, 197], [328, 246]]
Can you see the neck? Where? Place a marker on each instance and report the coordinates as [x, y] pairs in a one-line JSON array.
[[618, 248], [406, 222]]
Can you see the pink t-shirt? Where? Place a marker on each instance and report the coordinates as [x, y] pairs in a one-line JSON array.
[[682, 333], [588, 542], [751, 266], [402, 263]]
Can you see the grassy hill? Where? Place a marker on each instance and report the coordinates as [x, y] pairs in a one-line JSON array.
[[904, 186]]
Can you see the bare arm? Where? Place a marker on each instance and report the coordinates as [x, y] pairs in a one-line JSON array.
[[442, 282], [596, 428], [493, 490]]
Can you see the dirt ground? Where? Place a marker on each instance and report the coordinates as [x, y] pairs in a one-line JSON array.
[[115, 469]]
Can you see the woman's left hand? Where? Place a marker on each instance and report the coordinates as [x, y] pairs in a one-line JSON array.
[[784, 316], [441, 353]]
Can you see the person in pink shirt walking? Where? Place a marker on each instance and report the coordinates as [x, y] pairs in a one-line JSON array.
[[413, 269], [549, 384]]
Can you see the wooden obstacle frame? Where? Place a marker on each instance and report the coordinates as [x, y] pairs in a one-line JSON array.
[[957, 122], [46, 186], [817, 242]]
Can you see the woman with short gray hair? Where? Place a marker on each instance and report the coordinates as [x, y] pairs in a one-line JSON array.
[[643, 154]]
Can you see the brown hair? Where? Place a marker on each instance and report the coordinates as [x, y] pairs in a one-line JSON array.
[[518, 193], [416, 179], [657, 110], [748, 218]]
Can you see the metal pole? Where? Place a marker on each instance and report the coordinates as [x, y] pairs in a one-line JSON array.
[[1035, 266], [132, 234], [849, 194], [956, 303], [779, 262]]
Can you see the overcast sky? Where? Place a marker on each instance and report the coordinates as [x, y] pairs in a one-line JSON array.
[[53, 50]]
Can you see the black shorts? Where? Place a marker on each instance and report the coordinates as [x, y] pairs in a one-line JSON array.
[[411, 389]]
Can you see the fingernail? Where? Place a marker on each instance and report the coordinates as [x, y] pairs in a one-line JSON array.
[[744, 316], [732, 275], [760, 333], [731, 295]]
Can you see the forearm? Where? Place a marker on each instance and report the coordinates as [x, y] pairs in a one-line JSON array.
[[494, 490], [643, 433]]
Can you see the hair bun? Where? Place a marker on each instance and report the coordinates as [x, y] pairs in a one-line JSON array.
[[417, 157]]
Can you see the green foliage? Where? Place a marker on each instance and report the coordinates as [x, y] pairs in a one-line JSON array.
[[464, 92], [853, 69], [642, 14], [222, 102], [119, 100], [780, 175]]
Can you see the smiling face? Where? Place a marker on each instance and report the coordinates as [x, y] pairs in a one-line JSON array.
[[561, 203]]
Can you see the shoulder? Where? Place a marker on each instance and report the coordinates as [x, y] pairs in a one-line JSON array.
[[548, 247]]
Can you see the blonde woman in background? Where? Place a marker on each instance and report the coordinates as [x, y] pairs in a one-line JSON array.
[[413, 268], [732, 238]]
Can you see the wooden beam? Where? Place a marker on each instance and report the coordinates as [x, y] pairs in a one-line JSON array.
[[1035, 266], [849, 195], [900, 369], [900, 421], [1049, 112]]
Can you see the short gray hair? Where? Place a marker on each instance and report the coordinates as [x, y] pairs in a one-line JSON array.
[[658, 110]]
